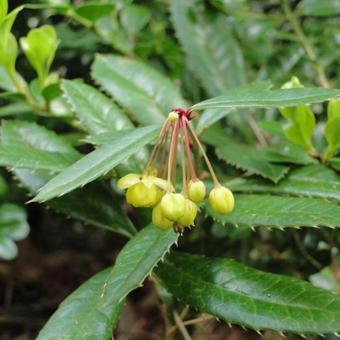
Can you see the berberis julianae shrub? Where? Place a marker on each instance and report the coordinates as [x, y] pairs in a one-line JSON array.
[[171, 105], [156, 186]]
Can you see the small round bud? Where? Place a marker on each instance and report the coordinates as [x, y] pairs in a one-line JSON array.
[[189, 215], [139, 195], [173, 116], [196, 191], [173, 206], [128, 180], [158, 218], [221, 200]]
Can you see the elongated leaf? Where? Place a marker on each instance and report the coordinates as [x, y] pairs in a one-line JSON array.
[[310, 181], [249, 297], [93, 309], [267, 99], [97, 163], [26, 157], [244, 156], [14, 108], [280, 212], [29, 134], [146, 94], [96, 112], [94, 204], [210, 45]]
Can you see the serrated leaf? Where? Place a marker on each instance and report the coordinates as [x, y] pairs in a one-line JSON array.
[[248, 297], [94, 204], [272, 127], [26, 157], [96, 112], [212, 50], [134, 17], [93, 11], [97, 163], [269, 98], [145, 93], [95, 315], [244, 156], [33, 135], [13, 227], [280, 212], [309, 181]]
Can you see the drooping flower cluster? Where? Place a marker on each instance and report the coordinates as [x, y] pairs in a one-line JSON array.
[[156, 187]]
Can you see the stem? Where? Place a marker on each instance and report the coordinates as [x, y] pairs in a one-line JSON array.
[[185, 183], [191, 168], [172, 148], [211, 170], [290, 15]]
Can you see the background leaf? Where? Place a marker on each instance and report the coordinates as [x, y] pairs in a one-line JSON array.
[[249, 297], [145, 93]]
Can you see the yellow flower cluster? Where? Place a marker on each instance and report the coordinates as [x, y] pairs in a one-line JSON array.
[[169, 208]]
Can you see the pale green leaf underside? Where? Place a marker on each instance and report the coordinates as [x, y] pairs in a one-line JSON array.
[[92, 310], [279, 212], [143, 91], [249, 297], [310, 181], [97, 163], [269, 98]]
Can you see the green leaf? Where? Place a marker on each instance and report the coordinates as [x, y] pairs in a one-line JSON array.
[[26, 157], [280, 212], [13, 227], [95, 316], [40, 46], [332, 135], [15, 108], [146, 94], [97, 163], [94, 11], [269, 98], [21, 133], [333, 109], [309, 181], [96, 112], [318, 8], [335, 163], [134, 17], [244, 156], [95, 204], [213, 52], [272, 127], [3, 9], [249, 297]]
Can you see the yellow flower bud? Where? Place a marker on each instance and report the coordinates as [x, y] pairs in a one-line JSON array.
[[173, 206], [139, 195], [196, 191], [189, 215], [128, 181], [158, 218], [221, 200], [173, 116]]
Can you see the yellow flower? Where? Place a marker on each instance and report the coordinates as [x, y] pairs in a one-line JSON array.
[[189, 215], [173, 206], [143, 190], [221, 200], [158, 218], [196, 191]]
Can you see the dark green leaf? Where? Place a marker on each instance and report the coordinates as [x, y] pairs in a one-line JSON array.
[[335, 163], [310, 181], [212, 50], [95, 315], [280, 212], [97, 163], [320, 8], [267, 99], [96, 112], [94, 11], [143, 91], [249, 297]]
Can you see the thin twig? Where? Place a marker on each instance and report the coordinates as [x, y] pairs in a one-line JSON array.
[[291, 17], [181, 327]]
